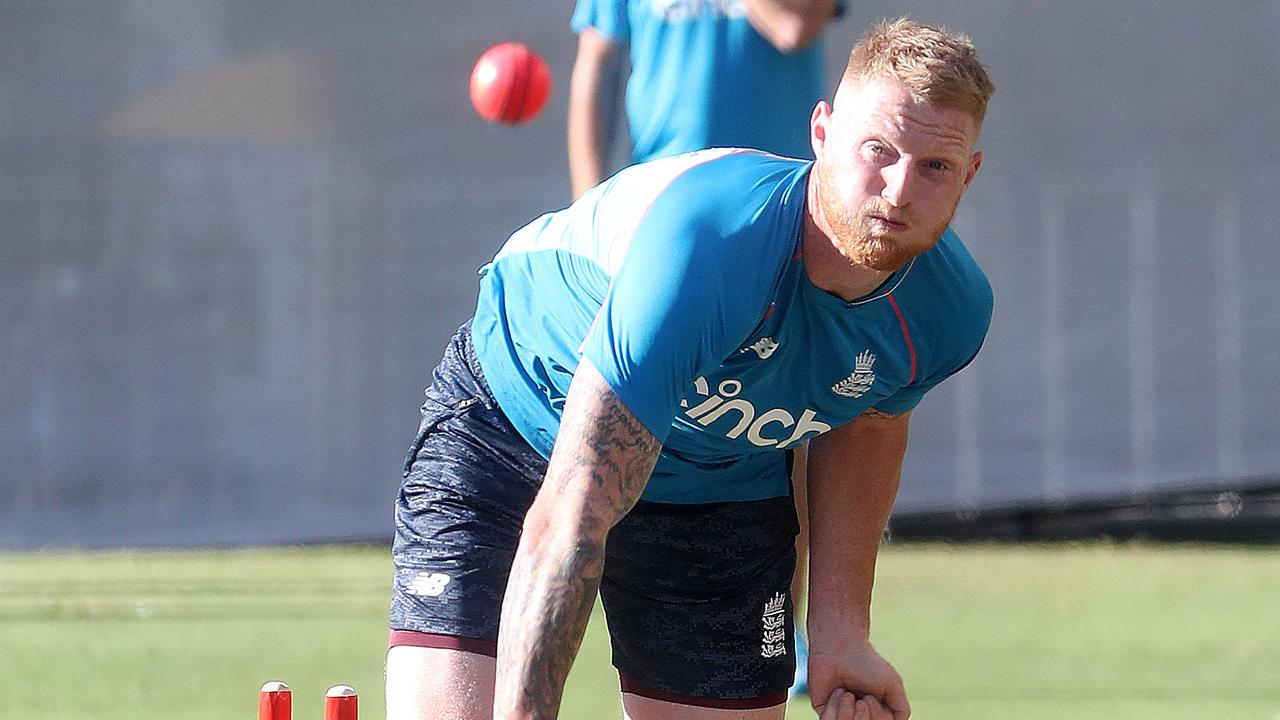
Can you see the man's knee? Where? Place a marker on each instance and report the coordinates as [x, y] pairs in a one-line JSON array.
[[426, 682]]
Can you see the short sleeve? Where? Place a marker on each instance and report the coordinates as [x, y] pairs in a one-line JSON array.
[[909, 397], [696, 279], [607, 17], [952, 344], [668, 317]]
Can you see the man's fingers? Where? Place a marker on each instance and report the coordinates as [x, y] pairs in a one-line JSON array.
[[876, 711], [827, 710], [845, 705], [896, 701], [849, 707], [841, 705]]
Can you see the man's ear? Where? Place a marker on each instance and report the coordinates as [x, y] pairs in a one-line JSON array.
[[819, 124], [975, 162]]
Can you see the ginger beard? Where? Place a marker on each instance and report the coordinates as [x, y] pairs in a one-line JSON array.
[[866, 241]]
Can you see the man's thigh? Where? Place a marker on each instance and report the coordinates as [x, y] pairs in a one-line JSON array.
[[469, 479], [697, 599]]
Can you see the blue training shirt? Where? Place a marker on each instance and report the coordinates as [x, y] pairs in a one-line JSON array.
[[682, 280], [702, 77]]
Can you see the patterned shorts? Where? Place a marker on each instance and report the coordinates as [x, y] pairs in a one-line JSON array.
[[697, 597]]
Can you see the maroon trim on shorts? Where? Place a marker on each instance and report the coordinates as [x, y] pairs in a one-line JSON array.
[[413, 638], [755, 703]]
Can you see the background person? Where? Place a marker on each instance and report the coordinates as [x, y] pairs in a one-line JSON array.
[[728, 73]]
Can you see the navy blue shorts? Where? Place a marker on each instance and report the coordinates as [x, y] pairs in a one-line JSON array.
[[697, 597]]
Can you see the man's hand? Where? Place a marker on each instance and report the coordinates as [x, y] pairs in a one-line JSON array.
[[844, 705], [859, 680]]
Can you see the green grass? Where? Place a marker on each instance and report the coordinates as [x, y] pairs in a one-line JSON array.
[[1045, 632]]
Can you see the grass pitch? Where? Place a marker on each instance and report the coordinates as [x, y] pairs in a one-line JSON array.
[[1046, 632]]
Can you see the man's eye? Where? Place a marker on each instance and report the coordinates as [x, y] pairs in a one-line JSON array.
[[938, 165]]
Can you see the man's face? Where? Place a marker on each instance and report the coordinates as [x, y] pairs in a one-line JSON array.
[[890, 171]]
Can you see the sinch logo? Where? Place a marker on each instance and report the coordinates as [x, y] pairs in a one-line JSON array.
[[756, 425]]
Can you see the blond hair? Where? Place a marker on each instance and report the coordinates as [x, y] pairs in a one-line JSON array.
[[936, 66]]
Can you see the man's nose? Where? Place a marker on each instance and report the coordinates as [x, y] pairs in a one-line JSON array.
[[897, 180]]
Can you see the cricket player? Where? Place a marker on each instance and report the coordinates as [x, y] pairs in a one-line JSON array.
[[618, 414]]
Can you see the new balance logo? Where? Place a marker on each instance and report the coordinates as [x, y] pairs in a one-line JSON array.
[[773, 622], [763, 347], [427, 584], [860, 380]]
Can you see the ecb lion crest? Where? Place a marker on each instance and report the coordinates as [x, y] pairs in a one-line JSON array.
[[860, 380]]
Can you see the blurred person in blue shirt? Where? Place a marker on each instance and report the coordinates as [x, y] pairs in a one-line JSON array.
[[703, 73]]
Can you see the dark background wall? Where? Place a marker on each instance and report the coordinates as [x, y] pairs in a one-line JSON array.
[[236, 236]]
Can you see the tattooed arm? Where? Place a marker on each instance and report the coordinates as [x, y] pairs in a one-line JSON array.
[[602, 459], [853, 480]]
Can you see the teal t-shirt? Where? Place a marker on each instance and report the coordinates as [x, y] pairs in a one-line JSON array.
[[702, 77], [682, 280]]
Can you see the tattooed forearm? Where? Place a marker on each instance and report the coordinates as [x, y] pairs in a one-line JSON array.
[[601, 462]]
